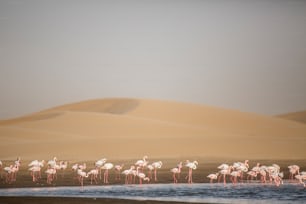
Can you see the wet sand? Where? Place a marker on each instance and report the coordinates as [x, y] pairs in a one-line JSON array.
[[38, 200]]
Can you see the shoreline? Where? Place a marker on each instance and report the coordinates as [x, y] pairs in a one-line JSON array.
[[70, 200]]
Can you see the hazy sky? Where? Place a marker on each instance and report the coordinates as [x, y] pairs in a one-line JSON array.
[[245, 55]]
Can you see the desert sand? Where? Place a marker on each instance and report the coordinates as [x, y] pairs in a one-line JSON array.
[[296, 116], [130, 128]]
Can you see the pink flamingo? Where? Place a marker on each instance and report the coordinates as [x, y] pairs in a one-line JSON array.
[[63, 165], [212, 177], [156, 165], [234, 175], [16, 166], [107, 167], [128, 174], [141, 176], [35, 173], [52, 162], [99, 164], [251, 175], [50, 175], [263, 174], [150, 169], [191, 166], [93, 175], [225, 170], [9, 171], [118, 169], [176, 171], [81, 176], [142, 163], [301, 178], [293, 170], [35, 167]]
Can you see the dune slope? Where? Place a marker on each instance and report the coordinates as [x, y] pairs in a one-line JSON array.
[[296, 116], [130, 128]]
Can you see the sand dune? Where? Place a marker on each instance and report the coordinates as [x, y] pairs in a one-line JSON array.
[[296, 116], [130, 128]]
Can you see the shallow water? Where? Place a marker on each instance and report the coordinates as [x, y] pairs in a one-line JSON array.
[[211, 193]]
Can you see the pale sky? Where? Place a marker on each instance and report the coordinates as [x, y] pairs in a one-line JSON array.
[[243, 55]]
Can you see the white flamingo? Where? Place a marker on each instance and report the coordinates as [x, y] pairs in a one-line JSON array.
[[176, 171], [107, 167], [156, 165], [191, 166]]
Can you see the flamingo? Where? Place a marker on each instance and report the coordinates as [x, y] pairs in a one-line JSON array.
[[99, 164], [234, 175], [156, 165], [35, 173], [141, 176], [225, 170], [16, 166], [150, 169], [294, 170], [93, 175], [81, 176], [118, 169], [35, 167], [142, 163], [82, 166], [191, 166], [301, 178], [251, 174], [37, 163], [277, 178], [128, 174], [107, 167], [241, 167], [263, 174], [63, 166], [9, 171], [50, 175], [213, 177], [52, 162], [176, 170]]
